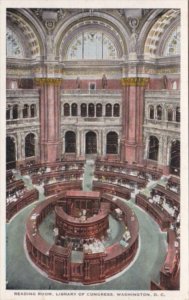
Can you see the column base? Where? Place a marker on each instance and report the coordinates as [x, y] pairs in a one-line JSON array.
[[50, 152], [131, 153]]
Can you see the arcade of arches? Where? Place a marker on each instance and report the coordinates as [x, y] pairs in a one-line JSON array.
[[96, 98], [100, 85]]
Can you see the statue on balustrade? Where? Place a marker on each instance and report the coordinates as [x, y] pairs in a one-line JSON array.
[[104, 82], [165, 82], [78, 82]]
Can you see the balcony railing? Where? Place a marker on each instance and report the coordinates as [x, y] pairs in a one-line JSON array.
[[167, 124], [22, 92], [91, 92], [162, 93], [22, 121]]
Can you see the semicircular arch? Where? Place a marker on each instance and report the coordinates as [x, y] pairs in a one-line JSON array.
[[107, 23], [28, 30], [162, 24]]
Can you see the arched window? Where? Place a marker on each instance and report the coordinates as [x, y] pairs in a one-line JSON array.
[[99, 110], [8, 112], [153, 148], [83, 110], [33, 110], [26, 111], [173, 43], [151, 112], [116, 110], [112, 143], [70, 142], [159, 112], [66, 110], [15, 112], [30, 145], [74, 109], [108, 110], [92, 44], [175, 157], [10, 153], [170, 115], [178, 114], [91, 142], [91, 110]]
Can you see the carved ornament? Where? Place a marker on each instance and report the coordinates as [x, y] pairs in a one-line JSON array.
[[135, 81], [48, 81]]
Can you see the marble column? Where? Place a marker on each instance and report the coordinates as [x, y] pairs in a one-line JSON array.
[[102, 143], [49, 118], [82, 143], [78, 144], [132, 118]]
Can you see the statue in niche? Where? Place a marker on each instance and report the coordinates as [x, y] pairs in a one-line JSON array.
[[165, 82], [104, 82], [78, 83], [133, 42], [174, 84]]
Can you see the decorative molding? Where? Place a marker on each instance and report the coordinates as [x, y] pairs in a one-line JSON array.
[[135, 81], [48, 81]]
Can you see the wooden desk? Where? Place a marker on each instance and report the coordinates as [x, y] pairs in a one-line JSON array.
[[93, 227], [9, 176], [171, 196], [14, 186], [58, 175], [170, 271], [161, 216], [120, 176], [57, 187], [26, 199], [55, 166], [120, 166], [112, 189], [174, 180]]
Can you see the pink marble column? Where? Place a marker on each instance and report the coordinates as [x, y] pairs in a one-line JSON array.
[[49, 119], [133, 107]]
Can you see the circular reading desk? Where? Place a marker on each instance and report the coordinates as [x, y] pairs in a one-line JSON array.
[[79, 252]]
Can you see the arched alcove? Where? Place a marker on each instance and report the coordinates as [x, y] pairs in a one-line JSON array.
[[153, 148], [91, 143], [112, 143], [30, 145], [70, 142], [10, 153], [175, 157]]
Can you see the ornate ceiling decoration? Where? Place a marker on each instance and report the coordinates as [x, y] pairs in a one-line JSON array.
[[157, 31], [13, 45], [30, 41]]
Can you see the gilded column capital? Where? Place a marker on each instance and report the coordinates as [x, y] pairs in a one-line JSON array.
[[48, 81], [135, 81]]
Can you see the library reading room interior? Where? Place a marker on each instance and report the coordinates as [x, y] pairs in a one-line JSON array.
[[93, 149]]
